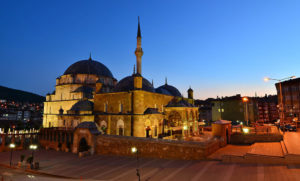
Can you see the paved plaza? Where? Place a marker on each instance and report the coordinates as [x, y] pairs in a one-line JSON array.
[[123, 168]]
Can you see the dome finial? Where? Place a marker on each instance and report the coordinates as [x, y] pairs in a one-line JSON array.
[[90, 56], [166, 81]]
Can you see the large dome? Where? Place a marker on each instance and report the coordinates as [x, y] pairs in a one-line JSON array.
[[89, 67], [168, 90], [126, 84]]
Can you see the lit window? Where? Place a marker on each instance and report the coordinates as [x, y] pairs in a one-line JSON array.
[[121, 107], [105, 107]]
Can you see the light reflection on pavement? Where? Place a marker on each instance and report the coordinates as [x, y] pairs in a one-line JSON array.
[[8, 174]]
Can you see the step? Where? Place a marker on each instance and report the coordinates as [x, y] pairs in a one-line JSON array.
[[273, 149], [283, 147]]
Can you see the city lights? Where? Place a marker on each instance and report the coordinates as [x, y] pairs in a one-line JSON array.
[[245, 99]]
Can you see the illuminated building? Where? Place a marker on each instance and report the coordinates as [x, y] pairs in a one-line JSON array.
[[87, 91]]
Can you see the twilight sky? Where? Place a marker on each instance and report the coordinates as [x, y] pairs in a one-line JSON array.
[[219, 48]]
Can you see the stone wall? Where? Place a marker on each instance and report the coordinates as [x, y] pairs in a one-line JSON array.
[[155, 148], [240, 138]]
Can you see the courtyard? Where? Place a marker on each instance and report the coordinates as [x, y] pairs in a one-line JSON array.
[[99, 167]]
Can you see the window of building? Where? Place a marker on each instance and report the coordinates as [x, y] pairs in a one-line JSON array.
[[120, 127], [120, 107], [105, 107], [121, 131]]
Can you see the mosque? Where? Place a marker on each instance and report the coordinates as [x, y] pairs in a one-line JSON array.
[[88, 92]]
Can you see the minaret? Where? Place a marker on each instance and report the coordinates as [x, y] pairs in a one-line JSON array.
[[138, 51], [190, 93]]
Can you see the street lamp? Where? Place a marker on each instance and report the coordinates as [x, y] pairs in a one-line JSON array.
[[11, 146], [281, 107], [245, 100], [136, 151], [33, 147]]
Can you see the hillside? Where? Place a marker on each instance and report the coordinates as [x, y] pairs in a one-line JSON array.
[[19, 96]]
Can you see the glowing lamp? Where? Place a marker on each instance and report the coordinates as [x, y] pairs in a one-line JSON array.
[[245, 99], [33, 147], [266, 79], [134, 150], [12, 145], [185, 127], [246, 130]]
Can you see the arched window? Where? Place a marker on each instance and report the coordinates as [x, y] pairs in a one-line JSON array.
[[120, 107], [120, 127], [105, 107]]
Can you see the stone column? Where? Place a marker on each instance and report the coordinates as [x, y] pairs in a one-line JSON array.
[[108, 125]]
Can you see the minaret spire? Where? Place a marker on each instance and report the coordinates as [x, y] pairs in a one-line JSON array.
[[90, 56], [138, 51], [139, 29]]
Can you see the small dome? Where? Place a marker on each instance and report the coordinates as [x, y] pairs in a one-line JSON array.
[[83, 105], [89, 67], [126, 84], [169, 90], [190, 90], [89, 125]]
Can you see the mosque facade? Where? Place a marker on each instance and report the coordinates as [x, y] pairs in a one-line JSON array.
[[88, 92]]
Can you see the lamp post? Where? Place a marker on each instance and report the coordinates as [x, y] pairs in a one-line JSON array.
[[11, 146], [245, 100], [281, 107], [136, 151], [33, 147]]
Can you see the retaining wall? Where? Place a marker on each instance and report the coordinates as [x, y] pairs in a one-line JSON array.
[[241, 138], [155, 148]]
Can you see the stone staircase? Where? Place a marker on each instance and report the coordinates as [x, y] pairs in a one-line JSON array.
[[265, 153]]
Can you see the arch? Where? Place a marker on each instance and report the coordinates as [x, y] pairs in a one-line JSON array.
[[120, 127], [174, 119], [83, 145]]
